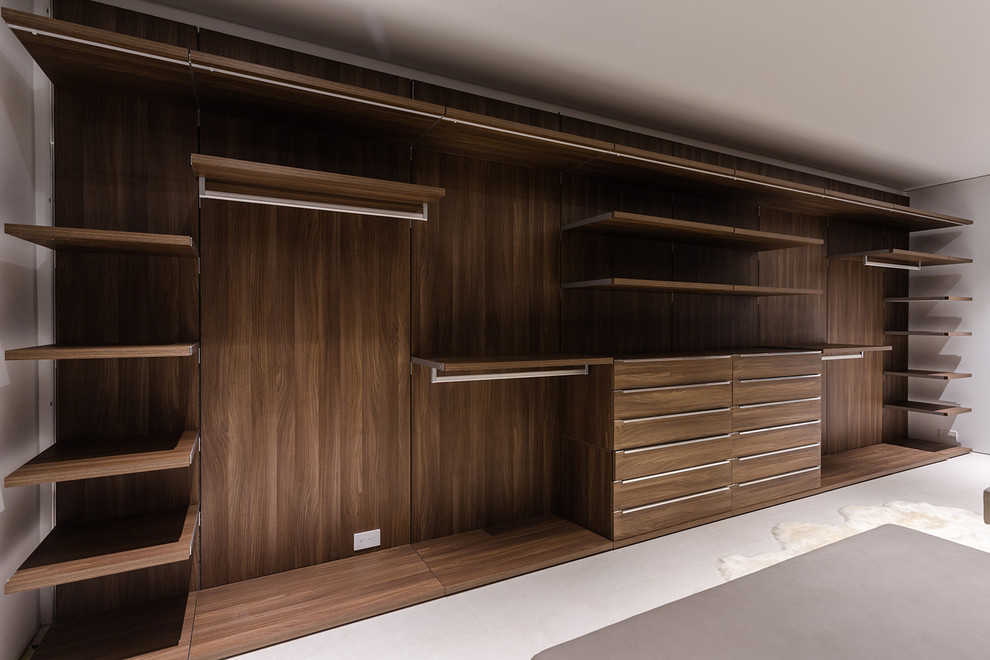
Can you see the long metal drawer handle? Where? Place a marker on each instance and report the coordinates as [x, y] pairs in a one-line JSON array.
[[633, 390], [778, 428], [672, 472], [778, 476], [673, 501], [437, 378], [672, 416], [779, 403], [672, 359], [746, 355], [674, 444], [779, 451], [764, 380]]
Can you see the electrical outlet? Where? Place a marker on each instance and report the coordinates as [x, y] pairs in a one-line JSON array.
[[948, 436], [365, 540]]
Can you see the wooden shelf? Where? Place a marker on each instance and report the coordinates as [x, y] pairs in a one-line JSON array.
[[922, 373], [262, 183], [79, 552], [660, 286], [929, 299], [940, 448], [160, 630], [468, 560], [896, 257], [462, 364], [683, 231], [105, 458], [829, 350], [879, 460], [100, 240], [927, 333], [60, 352], [943, 409], [242, 616]]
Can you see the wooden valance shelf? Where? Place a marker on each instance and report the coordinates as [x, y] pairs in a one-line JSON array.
[[924, 373], [468, 560], [60, 352], [894, 257], [261, 183], [79, 552], [105, 458], [943, 409], [159, 630], [80, 56], [619, 223], [661, 286], [929, 299], [927, 333], [101, 240]]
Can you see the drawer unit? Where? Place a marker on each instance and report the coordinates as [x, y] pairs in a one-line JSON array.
[[659, 372], [668, 513], [778, 388], [750, 493], [759, 441], [771, 365], [764, 415], [760, 466], [656, 430], [643, 461], [669, 485], [632, 404]]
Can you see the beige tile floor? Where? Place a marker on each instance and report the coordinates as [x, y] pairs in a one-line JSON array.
[[517, 618]]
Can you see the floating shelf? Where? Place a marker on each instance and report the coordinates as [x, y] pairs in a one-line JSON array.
[[922, 373], [927, 333], [105, 458], [895, 258], [260, 183], [60, 352], [468, 560], [79, 552], [929, 299], [943, 409], [160, 630], [660, 286], [100, 240], [683, 231]]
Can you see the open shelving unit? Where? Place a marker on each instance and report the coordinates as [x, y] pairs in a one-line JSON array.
[[661, 286], [896, 258], [104, 240], [943, 409], [925, 373], [60, 352]]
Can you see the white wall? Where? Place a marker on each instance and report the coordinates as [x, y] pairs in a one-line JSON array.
[[20, 517], [969, 199]]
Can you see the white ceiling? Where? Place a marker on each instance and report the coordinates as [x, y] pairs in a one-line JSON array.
[[891, 91]]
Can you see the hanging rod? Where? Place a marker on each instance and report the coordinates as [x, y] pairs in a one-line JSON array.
[[851, 356], [436, 378]]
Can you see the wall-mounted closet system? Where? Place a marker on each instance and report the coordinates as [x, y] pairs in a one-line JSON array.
[[505, 338]]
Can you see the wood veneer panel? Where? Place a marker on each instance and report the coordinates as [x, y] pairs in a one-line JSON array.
[[57, 352], [926, 373], [845, 349], [468, 560], [877, 460], [585, 486], [943, 409], [244, 616], [97, 240], [703, 288]]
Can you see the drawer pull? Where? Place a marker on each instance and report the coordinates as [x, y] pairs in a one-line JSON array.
[[676, 499], [778, 428], [674, 444], [765, 380], [672, 472], [779, 403], [674, 387], [777, 476], [746, 355], [687, 414], [778, 452], [672, 359]]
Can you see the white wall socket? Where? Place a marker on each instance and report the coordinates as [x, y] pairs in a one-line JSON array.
[[948, 436], [365, 540]]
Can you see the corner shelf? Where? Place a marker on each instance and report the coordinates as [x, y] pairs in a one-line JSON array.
[[79, 552], [942, 409], [661, 286], [927, 333], [102, 240], [929, 299], [61, 352], [896, 258], [105, 458], [227, 179], [922, 373]]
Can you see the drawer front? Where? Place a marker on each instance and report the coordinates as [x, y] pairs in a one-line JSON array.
[[761, 441], [770, 365], [672, 371], [669, 485], [760, 466], [764, 490], [781, 388], [632, 463], [764, 415], [671, 428], [650, 518], [632, 404]]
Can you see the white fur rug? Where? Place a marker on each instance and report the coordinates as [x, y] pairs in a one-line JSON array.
[[949, 523]]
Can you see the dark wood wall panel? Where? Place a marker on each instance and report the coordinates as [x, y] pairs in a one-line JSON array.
[[124, 21]]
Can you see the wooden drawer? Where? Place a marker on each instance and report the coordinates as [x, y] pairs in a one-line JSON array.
[[764, 415], [633, 404], [668, 485], [653, 517], [764, 490], [661, 372], [759, 441], [632, 463], [770, 365], [780, 388], [760, 466], [671, 428]]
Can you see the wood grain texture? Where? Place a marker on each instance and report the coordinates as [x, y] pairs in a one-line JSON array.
[[586, 407], [650, 402], [506, 363], [655, 459], [248, 615], [101, 240], [468, 560], [584, 486], [761, 466], [928, 407], [926, 373], [776, 365], [686, 481], [880, 459], [704, 288], [766, 415], [660, 372], [653, 518], [63, 352], [760, 441], [898, 257], [782, 388], [747, 494], [671, 428]]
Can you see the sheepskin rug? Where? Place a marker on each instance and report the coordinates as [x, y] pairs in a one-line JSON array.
[[795, 538]]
